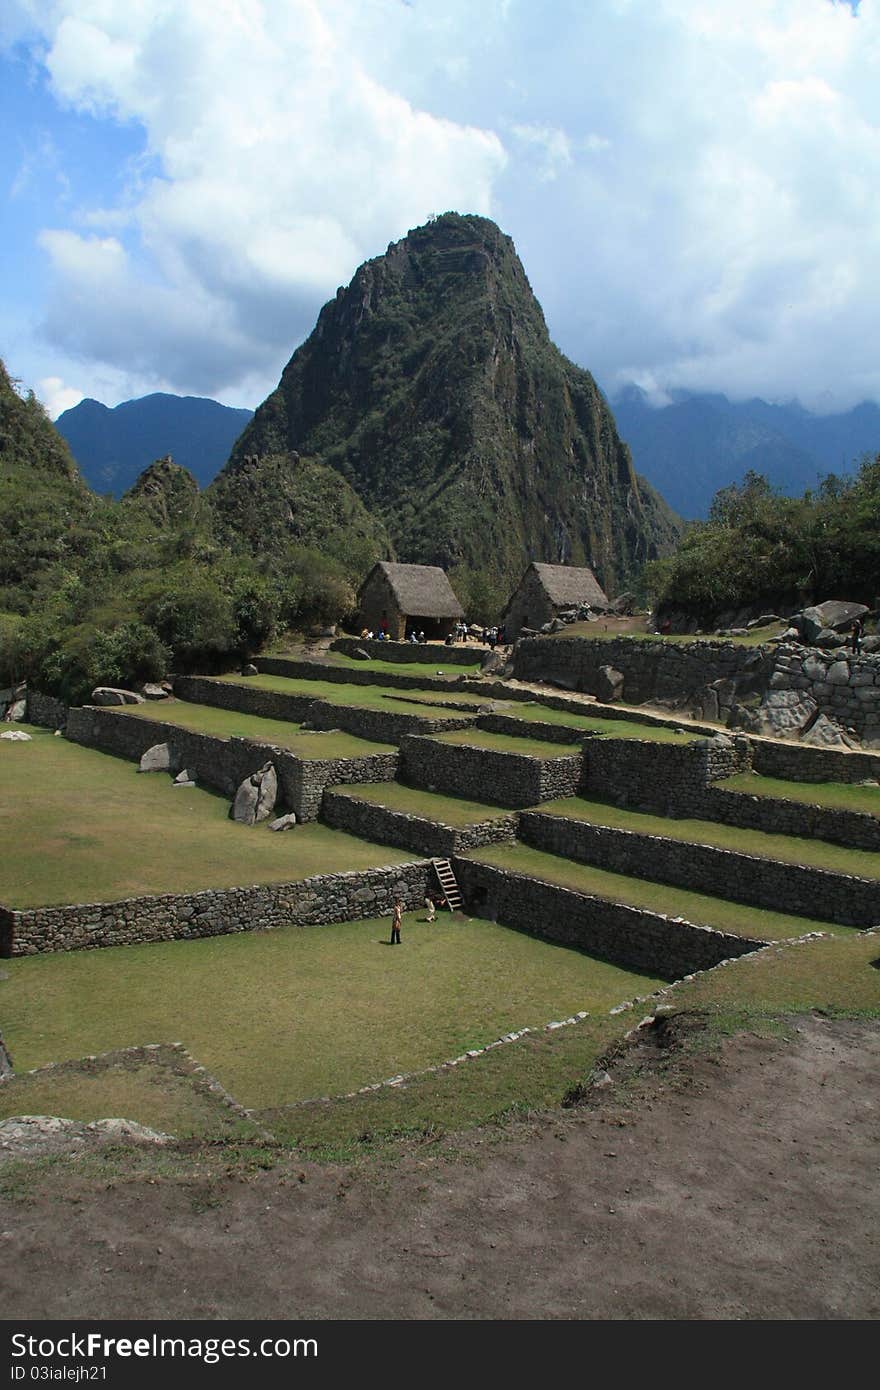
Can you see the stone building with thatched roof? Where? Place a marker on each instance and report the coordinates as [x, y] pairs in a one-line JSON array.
[[406, 598], [545, 591]]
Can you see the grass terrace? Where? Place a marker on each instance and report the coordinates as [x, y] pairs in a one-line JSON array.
[[789, 849], [88, 828], [364, 696], [403, 668], [434, 806], [597, 724], [699, 908], [508, 743], [289, 1014], [225, 723], [837, 796]]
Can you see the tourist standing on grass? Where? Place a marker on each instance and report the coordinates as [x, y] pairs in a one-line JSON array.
[[431, 909], [396, 919]]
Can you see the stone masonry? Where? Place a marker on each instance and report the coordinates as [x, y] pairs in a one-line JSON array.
[[482, 774], [374, 822], [631, 937], [313, 901], [224, 763], [745, 878]]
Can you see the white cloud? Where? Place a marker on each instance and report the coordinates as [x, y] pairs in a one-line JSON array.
[[694, 188], [284, 163], [56, 396]]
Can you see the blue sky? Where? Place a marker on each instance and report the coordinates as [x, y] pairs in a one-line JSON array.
[[694, 189]]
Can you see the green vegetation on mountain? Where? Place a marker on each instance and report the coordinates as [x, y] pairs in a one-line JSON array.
[[759, 547], [100, 592], [282, 502], [431, 386]]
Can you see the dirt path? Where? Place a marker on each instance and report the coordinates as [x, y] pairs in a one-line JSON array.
[[743, 1186]]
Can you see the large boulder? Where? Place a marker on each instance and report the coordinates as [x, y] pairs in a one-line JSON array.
[[110, 695], [609, 684], [492, 663], [827, 733], [255, 798], [156, 759], [833, 613], [784, 713]]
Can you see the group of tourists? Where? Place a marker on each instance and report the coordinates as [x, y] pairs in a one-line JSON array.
[[492, 636]]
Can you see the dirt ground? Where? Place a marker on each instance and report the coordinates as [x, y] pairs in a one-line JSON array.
[[736, 1183]]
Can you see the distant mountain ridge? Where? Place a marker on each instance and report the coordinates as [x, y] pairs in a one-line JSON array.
[[114, 446], [697, 444]]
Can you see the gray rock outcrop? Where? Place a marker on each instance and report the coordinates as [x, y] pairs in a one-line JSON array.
[[156, 759], [110, 695], [255, 798], [609, 684]]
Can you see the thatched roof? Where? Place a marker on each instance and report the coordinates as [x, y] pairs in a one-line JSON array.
[[421, 591], [567, 586]]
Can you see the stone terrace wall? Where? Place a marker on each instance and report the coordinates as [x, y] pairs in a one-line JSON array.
[[352, 675], [664, 777], [500, 690], [837, 684], [660, 670], [314, 901], [743, 878], [247, 699], [223, 763], [425, 652], [45, 710], [528, 728], [510, 779], [374, 822], [627, 936], [381, 726], [855, 829], [798, 763]]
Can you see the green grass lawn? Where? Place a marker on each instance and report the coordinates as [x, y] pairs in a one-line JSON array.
[[790, 849], [283, 1015], [157, 1090], [839, 796], [596, 724], [699, 908], [366, 696], [836, 975], [87, 827], [508, 743], [228, 723], [405, 668], [446, 810]]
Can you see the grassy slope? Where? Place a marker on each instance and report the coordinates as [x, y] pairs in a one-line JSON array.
[[595, 724], [227, 723], [310, 1011], [791, 849], [367, 696], [508, 743], [447, 810], [751, 922], [404, 668], [843, 796], [88, 828]]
